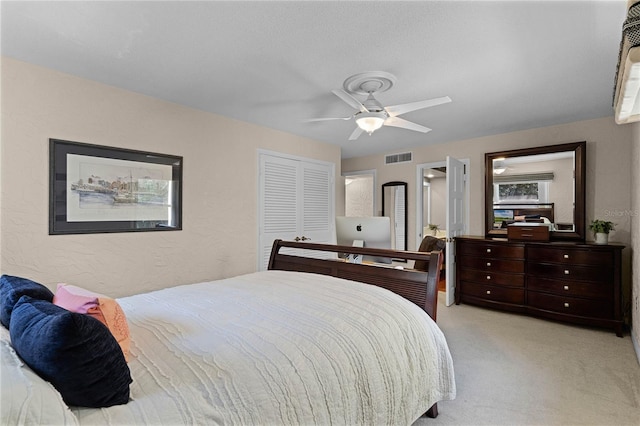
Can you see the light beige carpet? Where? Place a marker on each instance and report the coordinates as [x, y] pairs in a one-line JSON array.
[[518, 370]]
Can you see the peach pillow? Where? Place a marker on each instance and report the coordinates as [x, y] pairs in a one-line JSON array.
[[103, 308]]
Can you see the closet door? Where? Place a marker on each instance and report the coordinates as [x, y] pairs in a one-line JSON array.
[[296, 200], [317, 221]]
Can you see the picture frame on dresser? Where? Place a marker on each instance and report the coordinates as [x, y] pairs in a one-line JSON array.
[[101, 189]]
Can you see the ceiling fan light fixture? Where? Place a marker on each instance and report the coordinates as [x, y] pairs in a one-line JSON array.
[[370, 121]]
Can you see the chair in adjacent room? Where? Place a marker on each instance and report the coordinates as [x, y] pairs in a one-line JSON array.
[[429, 244]]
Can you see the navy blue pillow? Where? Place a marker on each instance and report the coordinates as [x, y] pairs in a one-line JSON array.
[[75, 352], [13, 288]]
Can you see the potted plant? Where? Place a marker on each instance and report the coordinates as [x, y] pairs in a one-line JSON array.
[[434, 228], [601, 229]]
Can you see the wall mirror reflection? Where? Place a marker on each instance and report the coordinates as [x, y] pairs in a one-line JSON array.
[[543, 185], [394, 206]]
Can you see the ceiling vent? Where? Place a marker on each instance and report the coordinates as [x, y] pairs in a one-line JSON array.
[[405, 157]]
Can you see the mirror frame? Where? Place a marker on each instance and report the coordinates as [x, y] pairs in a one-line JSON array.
[[406, 219], [580, 150]]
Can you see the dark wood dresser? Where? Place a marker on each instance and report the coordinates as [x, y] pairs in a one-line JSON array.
[[564, 281]]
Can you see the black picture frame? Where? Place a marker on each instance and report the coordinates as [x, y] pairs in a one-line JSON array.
[[92, 189]]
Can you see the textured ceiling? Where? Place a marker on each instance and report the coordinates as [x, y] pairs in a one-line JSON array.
[[507, 66]]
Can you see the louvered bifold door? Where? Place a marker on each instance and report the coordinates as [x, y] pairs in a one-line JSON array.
[[317, 205], [296, 203], [278, 210]]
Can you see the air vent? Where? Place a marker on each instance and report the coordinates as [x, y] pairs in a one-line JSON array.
[[405, 157]]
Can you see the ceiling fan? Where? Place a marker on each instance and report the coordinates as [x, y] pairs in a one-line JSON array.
[[370, 114]]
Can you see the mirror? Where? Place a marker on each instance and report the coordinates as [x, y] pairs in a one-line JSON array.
[[541, 184], [394, 205]]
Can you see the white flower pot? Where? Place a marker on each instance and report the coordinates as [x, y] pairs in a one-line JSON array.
[[602, 238]]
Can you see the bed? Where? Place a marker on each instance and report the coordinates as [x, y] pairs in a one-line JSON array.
[[310, 341]]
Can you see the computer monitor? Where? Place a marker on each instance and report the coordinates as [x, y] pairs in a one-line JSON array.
[[370, 232], [501, 215]]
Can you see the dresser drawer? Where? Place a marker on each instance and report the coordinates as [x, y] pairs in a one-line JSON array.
[[569, 256], [570, 305], [500, 251], [586, 289], [568, 281], [493, 278], [494, 293], [569, 272], [528, 233], [490, 264]]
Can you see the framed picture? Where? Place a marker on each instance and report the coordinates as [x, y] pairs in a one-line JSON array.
[[94, 189]]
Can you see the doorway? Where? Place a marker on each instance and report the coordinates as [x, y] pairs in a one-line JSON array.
[[442, 199], [360, 193]]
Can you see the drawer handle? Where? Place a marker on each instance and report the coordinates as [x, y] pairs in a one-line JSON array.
[[488, 291], [566, 287], [566, 272], [527, 235], [488, 250], [488, 277], [488, 263], [566, 305], [566, 256]]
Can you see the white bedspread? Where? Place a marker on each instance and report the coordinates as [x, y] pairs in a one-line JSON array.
[[279, 347]]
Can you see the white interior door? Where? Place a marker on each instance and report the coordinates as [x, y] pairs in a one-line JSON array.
[[316, 204], [455, 219], [295, 200], [278, 204]]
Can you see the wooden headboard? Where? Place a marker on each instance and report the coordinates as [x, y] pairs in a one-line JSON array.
[[419, 287], [542, 209]]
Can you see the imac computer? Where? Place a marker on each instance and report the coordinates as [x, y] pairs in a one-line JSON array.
[[371, 232]]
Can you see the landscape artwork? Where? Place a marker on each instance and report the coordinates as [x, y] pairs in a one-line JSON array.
[[107, 189]]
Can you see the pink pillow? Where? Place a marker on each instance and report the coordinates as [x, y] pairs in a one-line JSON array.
[[103, 308]]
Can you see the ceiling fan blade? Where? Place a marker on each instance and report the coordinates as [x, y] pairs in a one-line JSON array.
[[329, 118], [356, 134], [396, 110], [350, 100], [402, 123]]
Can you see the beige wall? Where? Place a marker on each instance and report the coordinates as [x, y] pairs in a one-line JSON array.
[[438, 203], [609, 168], [219, 236], [608, 159]]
